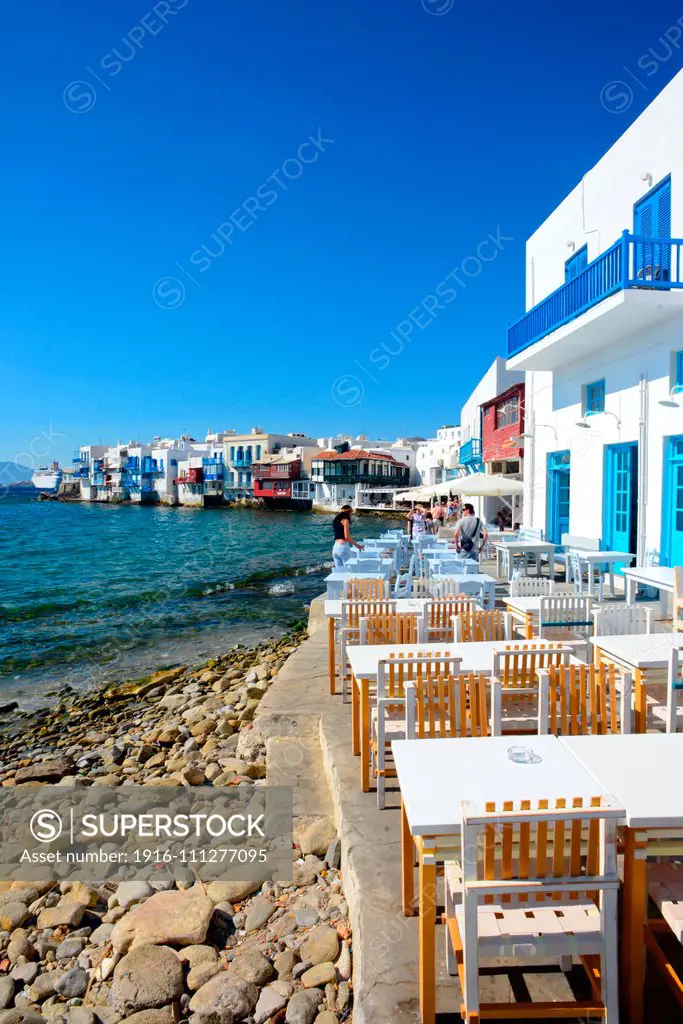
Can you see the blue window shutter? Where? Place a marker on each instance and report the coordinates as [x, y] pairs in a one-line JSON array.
[[652, 219], [576, 263]]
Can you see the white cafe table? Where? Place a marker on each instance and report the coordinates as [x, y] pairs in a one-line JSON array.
[[642, 773], [524, 548], [659, 576], [483, 579], [435, 776], [608, 558], [645, 656], [364, 660], [338, 577]]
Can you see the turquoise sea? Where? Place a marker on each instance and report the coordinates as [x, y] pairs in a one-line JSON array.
[[107, 592]]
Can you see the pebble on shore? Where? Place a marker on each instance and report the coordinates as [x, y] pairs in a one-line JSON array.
[[220, 953]]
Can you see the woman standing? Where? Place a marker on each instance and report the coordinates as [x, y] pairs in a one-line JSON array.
[[419, 523], [343, 541]]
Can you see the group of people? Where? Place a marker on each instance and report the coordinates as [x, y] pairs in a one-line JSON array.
[[470, 532]]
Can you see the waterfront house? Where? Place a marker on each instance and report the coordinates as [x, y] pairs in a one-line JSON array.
[[357, 476], [283, 480], [601, 345], [438, 458], [201, 476], [84, 462], [242, 451]]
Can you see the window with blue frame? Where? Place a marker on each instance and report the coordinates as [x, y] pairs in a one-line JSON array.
[[677, 368], [576, 263], [652, 221], [594, 400], [258, 451]]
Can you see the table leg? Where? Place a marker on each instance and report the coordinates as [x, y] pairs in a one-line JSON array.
[[427, 933], [630, 590], [355, 716], [365, 735], [330, 653], [640, 685], [407, 865], [634, 910], [611, 579], [529, 626]]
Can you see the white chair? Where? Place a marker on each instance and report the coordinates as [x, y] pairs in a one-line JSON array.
[[403, 586], [565, 618], [352, 614], [586, 576], [619, 619], [502, 901], [531, 586], [388, 717], [515, 684], [668, 713]]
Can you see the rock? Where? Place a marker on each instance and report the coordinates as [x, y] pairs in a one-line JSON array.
[[284, 925], [85, 894], [284, 963], [253, 966], [13, 915], [146, 978], [70, 948], [193, 956], [306, 917], [260, 911], [225, 992], [177, 918], [199, 975], [326, 1017], [333, 854], [343, 964], [343, 996], [321, 974], [164, 1015], [42, 987], [6, 992], [231, 892], [20, 946], [172, 701], [72, 983], [44, 771], [129, 893], [303, 1006], [25, 973], [317, 837], [101, 934], [320, 946], [67, 912], [269, 1002], [80, 1015]]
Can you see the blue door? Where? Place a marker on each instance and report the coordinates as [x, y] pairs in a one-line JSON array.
[[620, 498], [652, 219], [557, 518], [672, 504]]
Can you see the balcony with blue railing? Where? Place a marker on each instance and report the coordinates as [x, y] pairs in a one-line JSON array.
[[470, 453], [213, 468], [149, 465], [636, 270], [98, 477], [242, 461]]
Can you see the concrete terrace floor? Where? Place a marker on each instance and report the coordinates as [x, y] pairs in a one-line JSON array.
[[308, 735]]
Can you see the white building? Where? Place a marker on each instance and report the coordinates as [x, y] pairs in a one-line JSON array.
[[438, 457], [241, 451], [403, 449], [602, 347]]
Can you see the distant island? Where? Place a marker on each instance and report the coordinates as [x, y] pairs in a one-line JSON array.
[[16, 478]]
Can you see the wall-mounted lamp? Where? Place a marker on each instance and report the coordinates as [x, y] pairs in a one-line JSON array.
[[646, 176], [585, 425], [548, 426], [669, 402], [571, 245]]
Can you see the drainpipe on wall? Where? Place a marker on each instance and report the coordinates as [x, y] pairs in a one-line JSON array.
[[642, 472]]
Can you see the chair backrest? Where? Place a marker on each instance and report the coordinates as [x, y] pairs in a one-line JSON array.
[[403, 586], [362, 589], [440, 611], [568, 611], [570, 841], [531, 586], [572, 540], [353, 611], [476, 625], [451, 706], [392, 628], [516, 668], [362, 564], [678, 598], [395, 672], [618, 619], [530, 533], [651, 557], [583, 700]]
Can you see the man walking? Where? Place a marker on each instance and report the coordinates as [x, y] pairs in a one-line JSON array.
[[470, 533]]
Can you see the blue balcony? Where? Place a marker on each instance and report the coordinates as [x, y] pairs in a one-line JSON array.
[[98, 478], [149, 465], [470, 453], [633, 264], [242, 463]]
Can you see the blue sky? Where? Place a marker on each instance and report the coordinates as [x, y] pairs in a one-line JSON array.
[[134, 134]]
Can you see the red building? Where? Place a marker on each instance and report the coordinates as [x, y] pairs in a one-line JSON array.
[[502, 420], [278, 482]]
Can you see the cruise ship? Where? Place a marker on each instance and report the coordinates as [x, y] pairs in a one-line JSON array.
[[47, 478]]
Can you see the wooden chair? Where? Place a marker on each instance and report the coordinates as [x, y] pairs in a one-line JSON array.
[[365, 589], [439, 615], [584, 700], [352, 614], [678, 599], [665, 883], [515, 685], [617, 619], [565, 618], [388, 719], [472, 624], [531, 586], [536, 882], [439, 707], [393, 628], [668, 712]]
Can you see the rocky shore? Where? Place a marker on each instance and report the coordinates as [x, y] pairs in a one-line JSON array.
[[151, 952]]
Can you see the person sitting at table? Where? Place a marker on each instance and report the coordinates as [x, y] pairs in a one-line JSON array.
[[470, 533]]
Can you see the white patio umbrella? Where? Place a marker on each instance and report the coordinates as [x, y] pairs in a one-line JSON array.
[[482, 485]]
